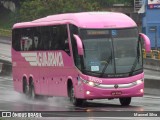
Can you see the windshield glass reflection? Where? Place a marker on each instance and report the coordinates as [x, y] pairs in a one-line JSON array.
[[111, 52]]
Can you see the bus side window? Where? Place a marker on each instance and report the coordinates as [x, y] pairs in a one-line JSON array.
[[56, 36], [16, 39], [26, 39], [46, 40], [65, 41], [35, 39], [62, 37], [59, 37], [26, 43]]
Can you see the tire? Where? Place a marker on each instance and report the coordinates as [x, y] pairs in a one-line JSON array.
[[75, 101], [31, 93], [125, 101], [25, 88]]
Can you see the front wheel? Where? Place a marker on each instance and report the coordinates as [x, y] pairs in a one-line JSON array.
[[75, 101], [125, 101]]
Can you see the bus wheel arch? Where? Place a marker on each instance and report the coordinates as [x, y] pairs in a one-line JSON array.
[[70, 88]]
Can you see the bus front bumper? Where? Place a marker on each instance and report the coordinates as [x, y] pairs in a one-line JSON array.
[[104, 93]]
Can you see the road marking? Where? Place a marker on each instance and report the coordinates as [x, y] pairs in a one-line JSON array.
[[152, 96], [5, 78]]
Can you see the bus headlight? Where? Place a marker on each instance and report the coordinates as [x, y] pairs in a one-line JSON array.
[[139, 81], [90, 83]]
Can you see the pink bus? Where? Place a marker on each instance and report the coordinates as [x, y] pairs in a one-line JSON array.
[[85, 56]]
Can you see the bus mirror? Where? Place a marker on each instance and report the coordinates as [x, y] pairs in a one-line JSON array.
[[79, 45], [146, 42]]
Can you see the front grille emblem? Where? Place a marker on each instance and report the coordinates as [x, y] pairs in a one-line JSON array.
[[116, 86]]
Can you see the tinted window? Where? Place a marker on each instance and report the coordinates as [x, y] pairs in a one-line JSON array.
[[41, 38]]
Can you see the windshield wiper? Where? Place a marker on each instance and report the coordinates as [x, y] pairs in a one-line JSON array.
[[133, 66], [135, 61], [106, 65]]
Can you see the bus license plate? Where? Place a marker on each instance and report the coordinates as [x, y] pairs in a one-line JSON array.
[[116, 93]]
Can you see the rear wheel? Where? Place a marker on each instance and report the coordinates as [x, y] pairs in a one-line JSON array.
[[25, 87], [75, 101], [125, 101], [31, 93]]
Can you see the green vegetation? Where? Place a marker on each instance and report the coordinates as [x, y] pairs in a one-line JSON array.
[[39, 8], [34, 9], [5, 22]]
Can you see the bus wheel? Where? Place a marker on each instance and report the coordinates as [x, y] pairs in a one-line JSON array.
[[31, 91], [75, 101], [25, 87], [125, 101]]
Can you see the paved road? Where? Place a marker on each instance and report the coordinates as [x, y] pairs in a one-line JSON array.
[[5, 52], [13, 101], [150, 74]]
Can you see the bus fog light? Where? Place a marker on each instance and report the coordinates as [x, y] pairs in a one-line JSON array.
[[141, 90], [139, 81], [88, 92]]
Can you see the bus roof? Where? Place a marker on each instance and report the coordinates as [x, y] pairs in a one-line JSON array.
[[83, 20]]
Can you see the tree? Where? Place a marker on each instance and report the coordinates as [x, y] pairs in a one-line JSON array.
[[105, 3], [34, 9]]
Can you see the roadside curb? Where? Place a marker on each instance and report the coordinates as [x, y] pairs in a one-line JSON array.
[[152, 64], [151, 91], [152, 83], [152, 86], [7, 68], [6, 40], [1, 67]]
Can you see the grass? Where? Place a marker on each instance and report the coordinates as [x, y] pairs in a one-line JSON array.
[[5, 32], [7, 19]]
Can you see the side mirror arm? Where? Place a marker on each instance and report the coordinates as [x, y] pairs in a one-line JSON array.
[[146, 41]]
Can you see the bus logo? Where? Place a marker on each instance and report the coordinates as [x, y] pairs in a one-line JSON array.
[[116, 86], [44, 58]]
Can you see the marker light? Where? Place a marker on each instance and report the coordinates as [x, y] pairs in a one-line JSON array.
[[139, 81], [88, 92]]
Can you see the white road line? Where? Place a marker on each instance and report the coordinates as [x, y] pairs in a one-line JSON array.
[[5, 78], [152, 96]]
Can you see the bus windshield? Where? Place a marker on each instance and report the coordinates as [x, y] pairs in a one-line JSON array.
[[111, 52]]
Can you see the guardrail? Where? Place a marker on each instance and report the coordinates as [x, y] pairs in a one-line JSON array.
[[5, 67], [4, 32], [154, 54]]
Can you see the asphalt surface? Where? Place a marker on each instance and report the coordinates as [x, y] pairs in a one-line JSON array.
[[13, 101]]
